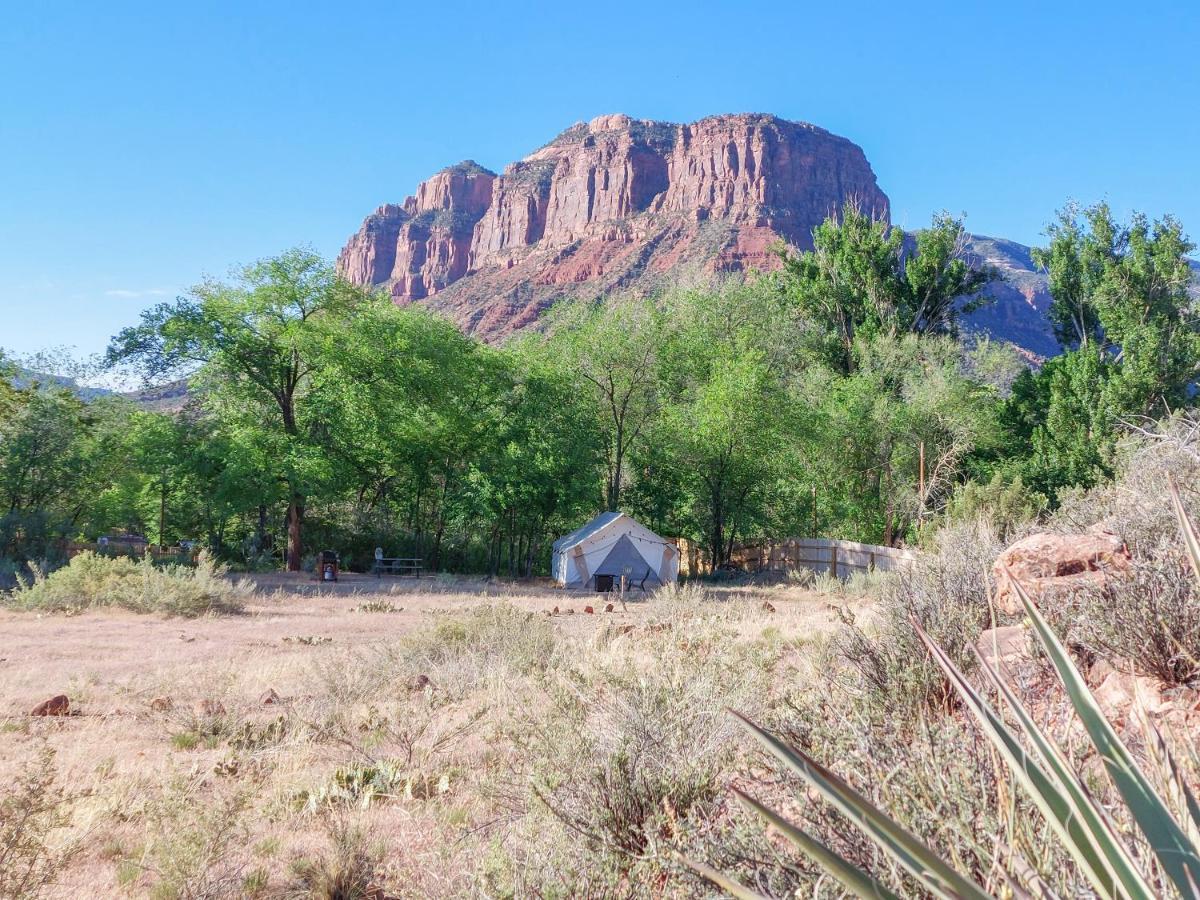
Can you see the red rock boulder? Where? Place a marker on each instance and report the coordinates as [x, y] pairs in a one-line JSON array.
[[59, 705], [1009, 650], [1055, 565]]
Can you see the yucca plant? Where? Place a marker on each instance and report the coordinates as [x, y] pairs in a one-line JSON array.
[[1077, 819]]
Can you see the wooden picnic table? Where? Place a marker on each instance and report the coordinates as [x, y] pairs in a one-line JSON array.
[[397, 565]]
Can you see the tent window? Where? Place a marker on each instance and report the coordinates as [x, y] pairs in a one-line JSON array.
[[604, 584]]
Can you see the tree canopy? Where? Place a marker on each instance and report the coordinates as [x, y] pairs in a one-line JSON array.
[[837, 396]]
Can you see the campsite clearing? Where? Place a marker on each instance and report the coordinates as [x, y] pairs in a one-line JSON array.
[[410, 716]]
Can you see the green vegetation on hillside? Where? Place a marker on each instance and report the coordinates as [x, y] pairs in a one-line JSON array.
[[834, 397]]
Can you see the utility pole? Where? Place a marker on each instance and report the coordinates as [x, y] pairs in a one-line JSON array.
[[162, 517], [921, 488]]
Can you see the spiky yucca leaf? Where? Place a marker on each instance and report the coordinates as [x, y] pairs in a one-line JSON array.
[[1191, 540], [1092, 816], [1176, 854], [934, 873], [1072, 814], [1164, 762], [851, 876]]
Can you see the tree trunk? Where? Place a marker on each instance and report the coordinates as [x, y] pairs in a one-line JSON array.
[[494, 540], [260, 531], [614, 476], [716, 506], [435, 563], [717, 536], [441, 524], [162, 517], [295, 523], [887, 508]]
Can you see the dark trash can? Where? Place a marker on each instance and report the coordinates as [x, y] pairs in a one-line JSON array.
[[327, 566]]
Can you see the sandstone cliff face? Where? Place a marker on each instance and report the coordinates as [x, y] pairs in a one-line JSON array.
[[424, 244], [613, 204]]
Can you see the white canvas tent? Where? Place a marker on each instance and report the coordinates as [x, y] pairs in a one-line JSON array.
[[612, 545]]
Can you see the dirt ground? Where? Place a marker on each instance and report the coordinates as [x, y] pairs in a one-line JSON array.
[[105, 661], [121, 753]]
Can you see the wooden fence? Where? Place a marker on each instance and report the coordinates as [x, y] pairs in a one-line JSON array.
[[135, 549], [841, 559]]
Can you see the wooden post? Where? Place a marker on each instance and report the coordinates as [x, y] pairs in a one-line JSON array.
[[921, 476], [833, 561]]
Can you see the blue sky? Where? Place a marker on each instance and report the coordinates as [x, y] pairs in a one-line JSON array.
[[143, 146]]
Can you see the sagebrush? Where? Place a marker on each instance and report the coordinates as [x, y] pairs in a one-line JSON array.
[[91, 580]]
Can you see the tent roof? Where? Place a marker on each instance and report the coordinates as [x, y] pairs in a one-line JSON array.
[[579, 535]]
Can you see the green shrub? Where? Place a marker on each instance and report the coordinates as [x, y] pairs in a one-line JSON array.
[[628, 753], [1004, 504], [91, 580], [198, 836]]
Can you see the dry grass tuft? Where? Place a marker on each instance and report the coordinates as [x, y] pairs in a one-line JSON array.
[[34, 813]]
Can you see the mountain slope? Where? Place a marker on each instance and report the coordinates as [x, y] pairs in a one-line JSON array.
[[1020, 302]]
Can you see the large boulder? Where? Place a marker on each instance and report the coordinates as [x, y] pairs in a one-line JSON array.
[[1056, 565], [1121, 692]]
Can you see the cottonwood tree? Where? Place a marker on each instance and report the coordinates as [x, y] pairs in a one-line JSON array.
[[412, 403], [1124, 291], [888, 443], [860, 281], [57, 454], [1123, 307], [611, 348], [727, 425], [257, 343]]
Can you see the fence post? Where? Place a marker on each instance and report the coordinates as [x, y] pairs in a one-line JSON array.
[[872, 567], [833, 561]]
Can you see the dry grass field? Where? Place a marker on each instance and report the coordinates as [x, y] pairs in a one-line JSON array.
[[395, 738]]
